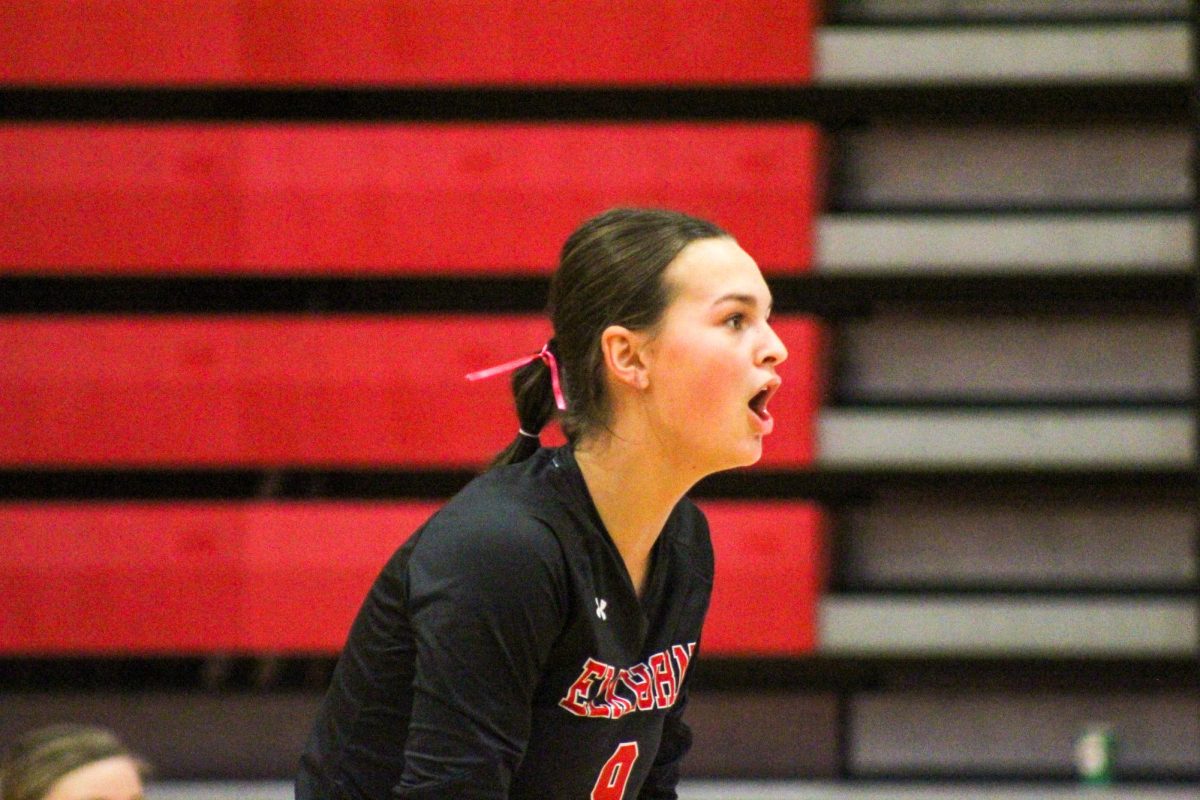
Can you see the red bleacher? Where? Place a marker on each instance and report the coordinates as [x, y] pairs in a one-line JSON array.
[[306, 391], [383, 199], [386, 391], [770, 572], [194, 578], [190, 577], [415, 42]]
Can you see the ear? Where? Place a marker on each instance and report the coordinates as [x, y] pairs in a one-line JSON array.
[[624, 356]]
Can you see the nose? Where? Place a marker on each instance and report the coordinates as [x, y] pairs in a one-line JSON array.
[[773, 351]]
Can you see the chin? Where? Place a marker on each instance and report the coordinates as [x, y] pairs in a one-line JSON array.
[[754, 457], [742, 456], [712, 457]]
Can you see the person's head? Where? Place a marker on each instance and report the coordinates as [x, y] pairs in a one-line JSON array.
[[71, 762], [626, 289]]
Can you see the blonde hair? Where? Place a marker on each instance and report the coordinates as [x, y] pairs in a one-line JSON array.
[[39, 758]]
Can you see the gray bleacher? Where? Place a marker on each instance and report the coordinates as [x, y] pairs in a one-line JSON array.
[[987, 53], [991, 243], [1009, 606]]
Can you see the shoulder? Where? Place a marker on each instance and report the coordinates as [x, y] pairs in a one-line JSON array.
[[494, 533]]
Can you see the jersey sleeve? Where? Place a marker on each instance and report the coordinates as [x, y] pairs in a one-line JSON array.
[[676, 741], [487, 601], [677, 734]]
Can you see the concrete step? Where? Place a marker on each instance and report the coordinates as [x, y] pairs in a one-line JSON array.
[[1006, 438], [1116, 52], [1156, 242], [935, 625]]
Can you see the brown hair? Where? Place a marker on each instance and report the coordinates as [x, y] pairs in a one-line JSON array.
[[39, 758], [610, 272]]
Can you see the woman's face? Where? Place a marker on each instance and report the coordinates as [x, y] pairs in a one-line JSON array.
[[712, 359], [115, 778]]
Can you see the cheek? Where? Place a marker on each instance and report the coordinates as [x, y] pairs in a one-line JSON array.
[[702, 375], [713, 385]]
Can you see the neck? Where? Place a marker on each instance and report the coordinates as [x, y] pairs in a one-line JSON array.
[[634, 517]]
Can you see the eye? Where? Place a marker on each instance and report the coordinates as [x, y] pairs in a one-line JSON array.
[[736, 321]]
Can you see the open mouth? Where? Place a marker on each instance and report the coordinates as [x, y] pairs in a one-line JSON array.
[[758, 403]]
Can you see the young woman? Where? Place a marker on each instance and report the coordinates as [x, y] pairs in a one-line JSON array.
[[534, 637], [71, 762]]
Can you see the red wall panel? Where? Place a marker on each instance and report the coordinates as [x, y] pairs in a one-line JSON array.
[[384, 199], [190, 578], [770, 573], [147, 578], [417, 42], [307, 391], [795, 407]]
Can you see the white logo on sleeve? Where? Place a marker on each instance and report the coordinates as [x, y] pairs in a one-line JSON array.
[[600, 606]]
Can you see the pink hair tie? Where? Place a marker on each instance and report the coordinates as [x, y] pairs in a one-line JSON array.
[[508, 366]]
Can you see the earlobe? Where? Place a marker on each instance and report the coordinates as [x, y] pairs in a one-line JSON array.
[[623, 356]]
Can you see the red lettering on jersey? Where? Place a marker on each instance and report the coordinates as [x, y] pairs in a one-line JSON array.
[[576, 699], [617, 706], [639, 680], [603, 691], [599, 707], [665, 687]]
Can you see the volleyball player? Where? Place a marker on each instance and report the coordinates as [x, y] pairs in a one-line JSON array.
[[534, 638]]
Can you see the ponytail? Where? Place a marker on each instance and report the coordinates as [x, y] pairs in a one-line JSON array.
[[534, 398]]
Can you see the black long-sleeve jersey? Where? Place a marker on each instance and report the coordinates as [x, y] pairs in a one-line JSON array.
[[503, 653]]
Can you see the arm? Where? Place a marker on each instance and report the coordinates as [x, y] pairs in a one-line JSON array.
[[486, 606], [676, 741], [677, 734]]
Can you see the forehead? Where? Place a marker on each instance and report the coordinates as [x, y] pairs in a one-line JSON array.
[[708, 269], [113, 778]]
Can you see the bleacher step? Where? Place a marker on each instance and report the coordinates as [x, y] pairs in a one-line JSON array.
[[988, 53]]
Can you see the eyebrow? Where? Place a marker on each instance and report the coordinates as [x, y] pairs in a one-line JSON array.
[[748, 299]]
